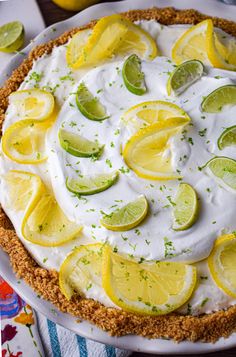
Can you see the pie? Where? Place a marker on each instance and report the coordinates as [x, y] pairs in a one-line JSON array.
[[118, 173]]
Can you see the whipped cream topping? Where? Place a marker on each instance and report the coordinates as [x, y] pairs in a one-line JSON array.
[[153, 239]]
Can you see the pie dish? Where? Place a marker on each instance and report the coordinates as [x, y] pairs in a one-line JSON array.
[[115, 321]]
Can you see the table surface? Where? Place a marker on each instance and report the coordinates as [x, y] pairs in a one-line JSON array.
[[52, 14]]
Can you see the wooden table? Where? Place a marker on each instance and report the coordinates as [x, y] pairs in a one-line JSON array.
[[52, 14]]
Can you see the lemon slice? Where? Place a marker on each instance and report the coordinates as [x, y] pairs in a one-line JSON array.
[[227, 138], [24, 142], [112, 35], [148, 153], [24, 189], [184, 76], [77, 145], [76, 44], [89, 185], [32, 104], [201, 43], [81, 270], [89, 105], [186, 207], [223, 170], [154, 288], [219, 98], [127, 217], [222, 263], [46, 224], [147, 113], [11, 36], [133, 76]]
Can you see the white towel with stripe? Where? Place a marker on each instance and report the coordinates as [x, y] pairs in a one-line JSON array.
[[60, 342]]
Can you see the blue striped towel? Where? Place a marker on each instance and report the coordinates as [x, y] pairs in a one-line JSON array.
[[60, 342]]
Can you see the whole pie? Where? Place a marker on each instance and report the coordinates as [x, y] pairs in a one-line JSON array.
[[118, 173]]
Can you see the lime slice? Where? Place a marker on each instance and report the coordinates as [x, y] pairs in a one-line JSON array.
[[184, 76], [186, 207], [216, 100], [77, 145], [90, 185], [127, 217], [89, 105], [81, 270], [133, 76], [223, 169], [11, 36], [147, 288], [227, 138]]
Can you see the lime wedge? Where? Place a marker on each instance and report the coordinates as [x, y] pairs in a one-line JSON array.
[[186, 207], [89, 185], [127, 217], [133, 76], [89, 105], [223, 169], [216, 100], [227, 138], [184, 76], [77, 145], [11, 36]]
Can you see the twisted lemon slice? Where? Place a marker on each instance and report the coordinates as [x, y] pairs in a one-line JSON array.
[[24, 189], [147, 113], [111, 35], [201, 43], [222, 263], [152, 288], [23, 142], [81, 270], [44, 223], [147, 152], [32, 104]]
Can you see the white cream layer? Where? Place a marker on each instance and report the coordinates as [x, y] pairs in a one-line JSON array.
[[189, 153]]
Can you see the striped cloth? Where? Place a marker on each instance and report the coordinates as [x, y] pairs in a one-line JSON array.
[[60, 342]]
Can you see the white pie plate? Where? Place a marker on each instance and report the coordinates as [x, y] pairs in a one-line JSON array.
[[134, 343]]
